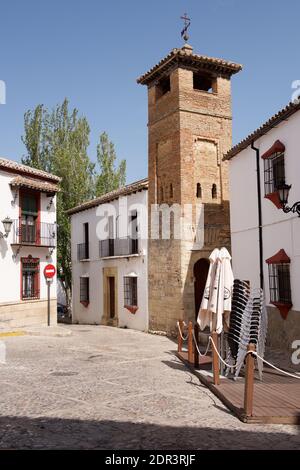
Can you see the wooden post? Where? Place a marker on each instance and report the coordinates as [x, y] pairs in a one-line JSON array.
[[196, 354], [180, 332], [190, 342], [215, 358], [249, 381]]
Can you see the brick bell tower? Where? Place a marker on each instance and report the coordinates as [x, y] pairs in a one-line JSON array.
[[189, 122]]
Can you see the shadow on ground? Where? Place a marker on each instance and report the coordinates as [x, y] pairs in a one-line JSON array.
[[55, 433]]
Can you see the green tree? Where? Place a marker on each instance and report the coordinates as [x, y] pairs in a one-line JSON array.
[[57, 141], [110, 177]]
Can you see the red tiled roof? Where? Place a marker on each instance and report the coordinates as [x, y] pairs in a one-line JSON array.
[[184, 56], [124, 191], [43, 186], [17, 167], [282, 115]]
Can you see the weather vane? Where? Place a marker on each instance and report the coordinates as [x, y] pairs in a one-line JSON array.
[[187, 24]]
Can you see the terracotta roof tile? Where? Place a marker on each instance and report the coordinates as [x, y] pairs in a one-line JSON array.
[[43, 186], [124, 191], [184, 56], [19, 167], [283, 114]]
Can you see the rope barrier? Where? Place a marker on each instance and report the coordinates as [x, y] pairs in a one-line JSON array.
[[232, 366], [196, 344], [274, 367], [180, 332]]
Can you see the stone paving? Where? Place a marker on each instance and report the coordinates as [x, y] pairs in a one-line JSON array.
[[110, 388]]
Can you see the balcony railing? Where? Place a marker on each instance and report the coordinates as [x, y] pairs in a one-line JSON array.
[[34, 233], [83, 251], [118, 247]]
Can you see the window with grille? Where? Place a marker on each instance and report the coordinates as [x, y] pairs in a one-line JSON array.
[[30, 278], [84, 290], [274, 172], [280, 283], [130, 291]]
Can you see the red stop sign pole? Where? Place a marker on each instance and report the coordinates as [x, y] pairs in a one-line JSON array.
[[49, 273]]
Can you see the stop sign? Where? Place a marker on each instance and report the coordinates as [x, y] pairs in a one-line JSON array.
[[49, 271]]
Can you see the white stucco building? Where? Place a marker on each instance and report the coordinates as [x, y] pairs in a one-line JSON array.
[[27, 243], [109, 259], [274, 149]]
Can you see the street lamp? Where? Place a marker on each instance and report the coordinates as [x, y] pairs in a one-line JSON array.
[[7, 223], [283, 193]]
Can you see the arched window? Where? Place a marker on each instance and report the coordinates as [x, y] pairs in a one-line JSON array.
[[199, 191], [214, 193], [161, 194], [171, 190]]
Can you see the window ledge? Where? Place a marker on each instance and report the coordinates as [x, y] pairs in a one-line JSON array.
[[274, 197], [132, 308], [136, 255], [283, 308], [84, 260], [84, 303], [209, 93]]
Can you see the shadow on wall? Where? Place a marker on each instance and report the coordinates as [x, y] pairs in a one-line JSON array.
[[55, 433], [216, 235]]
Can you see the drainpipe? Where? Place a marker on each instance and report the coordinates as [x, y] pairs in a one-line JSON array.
[[260, 227]]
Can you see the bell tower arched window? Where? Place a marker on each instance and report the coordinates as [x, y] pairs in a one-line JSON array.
[[199, 191]]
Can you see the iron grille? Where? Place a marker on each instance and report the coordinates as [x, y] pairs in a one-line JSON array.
[[83, 251], [30, 279], [274, 172], [130, 291], [84, 289], [280, 283]]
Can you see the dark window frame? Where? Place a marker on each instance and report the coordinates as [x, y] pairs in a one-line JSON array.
[[199, 191], [130, 291], [274, 172], [280, 283], [84, 290], [163, 87], [30, 266], [214, 191]]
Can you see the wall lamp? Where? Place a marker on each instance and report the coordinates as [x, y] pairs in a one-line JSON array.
[[7, 223], [283, 193]]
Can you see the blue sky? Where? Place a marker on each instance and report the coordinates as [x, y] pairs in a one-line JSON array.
[[92, 51]]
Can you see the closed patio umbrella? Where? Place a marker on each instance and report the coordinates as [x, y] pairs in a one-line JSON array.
[[216, 303]]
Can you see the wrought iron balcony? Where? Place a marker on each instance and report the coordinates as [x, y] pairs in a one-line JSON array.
[[118, 247], [34, 233], [83, 251]]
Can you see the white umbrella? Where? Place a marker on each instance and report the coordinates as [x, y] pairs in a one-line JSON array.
[[216, 303]]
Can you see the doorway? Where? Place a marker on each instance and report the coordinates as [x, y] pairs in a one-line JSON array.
[[111, 297], [201, 268]]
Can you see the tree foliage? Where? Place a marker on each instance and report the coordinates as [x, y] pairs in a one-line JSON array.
[[110, 176], [57, 141]]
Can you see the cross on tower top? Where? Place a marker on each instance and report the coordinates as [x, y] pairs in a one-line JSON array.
[[187, 24]]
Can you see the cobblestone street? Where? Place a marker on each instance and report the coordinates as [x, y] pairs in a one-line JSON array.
[[109, 388]]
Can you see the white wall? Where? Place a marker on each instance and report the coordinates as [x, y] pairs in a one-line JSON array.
[[280, 230], [10, 269], [93, 313]]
